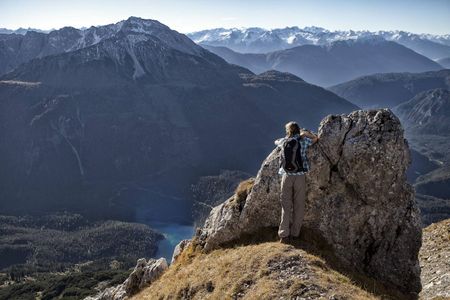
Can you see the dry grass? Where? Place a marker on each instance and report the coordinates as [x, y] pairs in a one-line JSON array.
[[264, 271], [242, 191]]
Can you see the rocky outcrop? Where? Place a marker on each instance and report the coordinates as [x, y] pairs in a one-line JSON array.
[[179, 249], [143, 274], [358, 201]]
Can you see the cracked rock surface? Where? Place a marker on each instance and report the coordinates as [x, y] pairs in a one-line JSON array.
[[358, 200]]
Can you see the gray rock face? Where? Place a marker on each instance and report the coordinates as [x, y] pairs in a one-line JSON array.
[[358, 200], [143, 274]]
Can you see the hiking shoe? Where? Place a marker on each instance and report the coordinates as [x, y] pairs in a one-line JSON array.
[[285, 240]]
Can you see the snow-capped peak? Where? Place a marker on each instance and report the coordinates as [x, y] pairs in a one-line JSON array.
[[314, 29]]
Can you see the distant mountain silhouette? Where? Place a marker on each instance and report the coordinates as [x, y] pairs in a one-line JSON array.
[[133, 120], [389, 90], [338, 62]]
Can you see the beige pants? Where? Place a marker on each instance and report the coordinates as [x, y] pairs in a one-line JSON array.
[[293, 194]]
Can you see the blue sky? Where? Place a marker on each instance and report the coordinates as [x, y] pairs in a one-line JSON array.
[[419, 16]]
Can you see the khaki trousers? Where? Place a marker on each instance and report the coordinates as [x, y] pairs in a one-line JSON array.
[[293, 194]]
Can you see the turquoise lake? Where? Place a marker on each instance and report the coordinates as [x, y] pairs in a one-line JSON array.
[[173, 233]]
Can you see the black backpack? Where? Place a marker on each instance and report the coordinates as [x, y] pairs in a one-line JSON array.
[[291, 157]]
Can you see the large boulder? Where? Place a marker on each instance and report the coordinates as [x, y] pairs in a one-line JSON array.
[[359, 203]]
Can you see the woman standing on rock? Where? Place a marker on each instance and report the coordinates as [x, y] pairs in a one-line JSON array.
[[293, 167]]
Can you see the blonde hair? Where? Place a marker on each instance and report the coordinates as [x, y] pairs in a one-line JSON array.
[[292, 129]]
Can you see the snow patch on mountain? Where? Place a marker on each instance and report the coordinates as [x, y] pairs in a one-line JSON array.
[[132, 41]]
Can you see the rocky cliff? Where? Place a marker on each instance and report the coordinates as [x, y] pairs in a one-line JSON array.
[[359, 205]]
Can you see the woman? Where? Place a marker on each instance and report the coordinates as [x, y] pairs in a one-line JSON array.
[[293, 168]]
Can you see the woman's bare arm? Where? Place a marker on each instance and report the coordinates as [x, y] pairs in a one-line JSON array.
[[310, 135]]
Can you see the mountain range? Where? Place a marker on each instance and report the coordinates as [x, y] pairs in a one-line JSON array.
[[336, 62], [118, 120], [324, 58], [259, 40]]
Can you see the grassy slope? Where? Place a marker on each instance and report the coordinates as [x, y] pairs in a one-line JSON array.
[[264, 271]]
